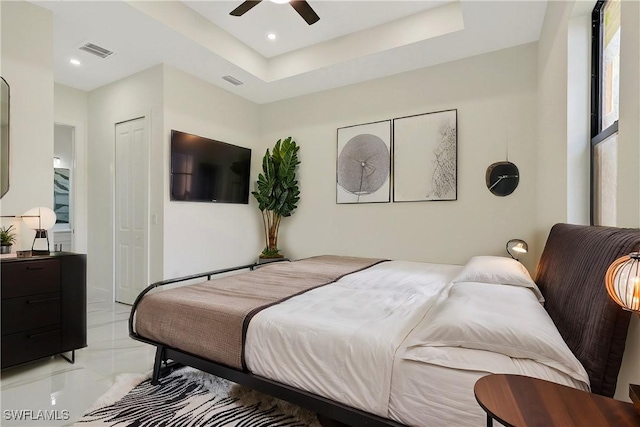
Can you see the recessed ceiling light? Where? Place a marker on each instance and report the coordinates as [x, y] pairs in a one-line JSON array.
[[280, 1], [74, 61], [272, 36]]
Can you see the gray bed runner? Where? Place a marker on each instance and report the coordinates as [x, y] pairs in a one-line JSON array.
[[210, 319]]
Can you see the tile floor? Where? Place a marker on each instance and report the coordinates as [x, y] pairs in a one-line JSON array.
[[55, 384]]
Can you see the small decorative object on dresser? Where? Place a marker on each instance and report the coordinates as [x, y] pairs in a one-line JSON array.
[[44, 307], [7, 239], [40, 219]]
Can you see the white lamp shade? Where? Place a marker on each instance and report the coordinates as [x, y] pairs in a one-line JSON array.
[[39, 218], [519, 248], [623, 281]]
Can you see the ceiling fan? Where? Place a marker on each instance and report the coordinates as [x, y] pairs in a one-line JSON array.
[[301, 6]]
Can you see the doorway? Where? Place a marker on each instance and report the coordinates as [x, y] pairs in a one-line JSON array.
[[63, 187], [131, 209]]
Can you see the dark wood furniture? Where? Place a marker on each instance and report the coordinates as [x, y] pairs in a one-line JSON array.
[[43, 307], [519, 401], [634, 395]]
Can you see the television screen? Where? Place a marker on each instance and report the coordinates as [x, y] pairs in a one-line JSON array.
[[205, 170]]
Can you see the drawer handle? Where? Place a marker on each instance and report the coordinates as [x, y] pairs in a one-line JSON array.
[[35, 268], [55, 331], [36, 301]]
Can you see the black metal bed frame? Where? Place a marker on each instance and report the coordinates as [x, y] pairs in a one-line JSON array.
[[322, 406]]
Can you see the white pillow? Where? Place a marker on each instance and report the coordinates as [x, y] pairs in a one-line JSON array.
[[497, 270], [502, 319]]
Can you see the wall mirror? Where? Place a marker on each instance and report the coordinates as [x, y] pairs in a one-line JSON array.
[[4, 137]]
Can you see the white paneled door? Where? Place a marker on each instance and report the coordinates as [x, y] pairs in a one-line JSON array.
[[132, 201]]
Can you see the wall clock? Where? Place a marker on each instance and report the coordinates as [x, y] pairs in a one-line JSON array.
[[502, 178]]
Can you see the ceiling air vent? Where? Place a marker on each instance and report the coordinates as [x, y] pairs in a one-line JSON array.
[[232, 80], [96, 50]]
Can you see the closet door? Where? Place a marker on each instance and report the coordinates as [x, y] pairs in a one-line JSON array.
[[132, 209]]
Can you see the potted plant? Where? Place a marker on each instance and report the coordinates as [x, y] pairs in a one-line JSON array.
[[277, 192], [7, 239]]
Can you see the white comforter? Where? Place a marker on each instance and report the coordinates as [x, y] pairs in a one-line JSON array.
[[400, 341]]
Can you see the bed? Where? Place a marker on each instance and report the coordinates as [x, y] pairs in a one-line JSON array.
[[393, 343]]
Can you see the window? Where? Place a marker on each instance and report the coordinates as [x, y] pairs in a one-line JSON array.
[[605, 91]]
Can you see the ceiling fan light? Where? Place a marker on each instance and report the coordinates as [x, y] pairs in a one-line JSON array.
[[280, 1]]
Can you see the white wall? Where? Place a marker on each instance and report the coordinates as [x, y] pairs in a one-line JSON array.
[[578, 119], [552, 183], [71, 108], [629, 122], [495, 95], [27, 65], [204, 236], [132, 97]]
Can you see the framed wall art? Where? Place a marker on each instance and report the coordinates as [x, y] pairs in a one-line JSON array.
[[363, 169], [425, 157], [61, 195]]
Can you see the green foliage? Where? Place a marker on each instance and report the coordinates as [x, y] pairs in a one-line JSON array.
[[278, 193], [7, 236], [277, 185], [271, 253]]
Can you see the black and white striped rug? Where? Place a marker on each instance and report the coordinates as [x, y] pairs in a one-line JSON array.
[[191, 398]]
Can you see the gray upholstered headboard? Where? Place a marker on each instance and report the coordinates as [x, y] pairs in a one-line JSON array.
[[571, 277]]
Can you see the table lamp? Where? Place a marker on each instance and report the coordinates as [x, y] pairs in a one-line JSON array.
[[623, 282], [518, 246], [39, 219]]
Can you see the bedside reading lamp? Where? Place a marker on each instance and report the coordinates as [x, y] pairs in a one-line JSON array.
[[518, 246], [623, 285], [623, 282], [40, 220]]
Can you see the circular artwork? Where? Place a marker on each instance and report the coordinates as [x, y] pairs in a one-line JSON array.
[[363, 164]]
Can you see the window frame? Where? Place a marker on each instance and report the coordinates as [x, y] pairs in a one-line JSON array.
[[598, 134]]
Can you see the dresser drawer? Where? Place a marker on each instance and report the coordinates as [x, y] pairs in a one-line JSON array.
[[34, 311], [27, 346], [23, 278]]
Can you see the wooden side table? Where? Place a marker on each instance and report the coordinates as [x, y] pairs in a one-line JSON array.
[[519, 401]]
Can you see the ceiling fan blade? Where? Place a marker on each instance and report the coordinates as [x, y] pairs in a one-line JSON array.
[[304, 10], [244, 8]]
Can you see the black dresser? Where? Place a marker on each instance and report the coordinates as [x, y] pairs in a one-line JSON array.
[[44, 306]]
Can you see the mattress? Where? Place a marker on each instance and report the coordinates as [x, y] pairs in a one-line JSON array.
[[405, 341], [427, 394]]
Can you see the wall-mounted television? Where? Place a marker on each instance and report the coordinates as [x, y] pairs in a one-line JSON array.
[[206, 170]]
